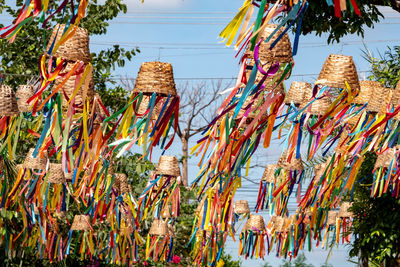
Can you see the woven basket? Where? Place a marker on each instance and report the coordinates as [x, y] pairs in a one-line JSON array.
[[378, 98], [69, 176], [342, 145], [144, 105], [8, 101], [171, 231], [242, 207], [75, 48], [24, 92], [155, 77], [255, 222], [269, 173], [299, 92], [168, 165], [344, 210], [165, 214], [366, 89], [269, 81], [337, 70], [396, 95], [81, 223], [251, 115], [35, 163], [332, 215], [159, 228], [282, 52], [385, 158], [293, 165], [56, 174], [121, 183], [86, 90], [318, 107]]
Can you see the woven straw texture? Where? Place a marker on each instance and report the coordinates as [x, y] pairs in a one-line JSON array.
[[252, 114], [294, 164], [318, 107], [255, 222], [282, 52], [269, 81], [378, 98], [366, 89], [385, 158], [8, 101], [165, 214], [145, 104], [69, 176], [332, 215], [35, 163], [75, 48], [269, 173], [86, 90], [396, 95], [337, 70], [242, 207], [342, 145], [24, 92], [171, 231], [159, 228], [298, 93], [81, 223], [319, 169], [121, 183], [168, 165], [344, 210], [155, 77], [56, 174]]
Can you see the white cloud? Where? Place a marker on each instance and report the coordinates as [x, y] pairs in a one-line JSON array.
[[155, 3]]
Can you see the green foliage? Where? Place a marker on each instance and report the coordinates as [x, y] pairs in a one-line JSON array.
[[320, 18], [300, 261], [386, 68], [376, 221]]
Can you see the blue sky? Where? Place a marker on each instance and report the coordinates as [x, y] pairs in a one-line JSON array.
[[185, 34]]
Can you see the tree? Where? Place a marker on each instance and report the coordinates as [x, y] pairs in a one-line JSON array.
[[300, 261], [320, 18]]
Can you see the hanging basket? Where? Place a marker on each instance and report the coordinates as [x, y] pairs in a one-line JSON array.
[[76, 48], [379, 98], [155, 77], [171, 231], [56, 174], [23, 94], [38, 163], [255, 222], [69, 176], [332, 215], [319, 107], [168, 165], [144, 105], [81, 223], [165, 214], [396, 96], [299, 92], [337, 70], [159, 228], [386, 158], [269, 173], [8, 101], [294, 164], [242, 207], [366, 89], [282, 52], [121, 183], [344, 210], [85, 91], [269, 82], [342, 145]]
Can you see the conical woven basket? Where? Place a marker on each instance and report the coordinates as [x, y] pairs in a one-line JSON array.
[[85, 91], [270, 84], [282, 52], [56, 174], [332, 215], [69, 176], [344, 210], [75, 48], [299, 92], [171, 231], [81, 223], [255, 222], [386, 158], [159, 228], [145, 104], [337, 70], [319, 107], [35, 163], [378, 98], [294, 164], [121, 183], [24, 92], [155, 77], [8, 101], [396, 95], [269, 173], [242, 207], [366, 89], [168, 165]]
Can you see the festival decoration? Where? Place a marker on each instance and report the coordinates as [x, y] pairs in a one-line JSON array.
[[252, 238], [23, 94], [8, 101]]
